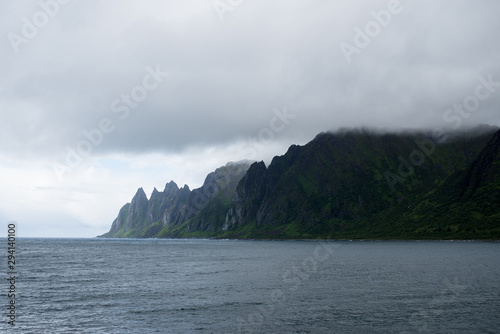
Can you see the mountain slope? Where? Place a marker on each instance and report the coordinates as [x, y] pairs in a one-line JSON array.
[[467, 204], [175, 212], [353, 184], [345, 185]]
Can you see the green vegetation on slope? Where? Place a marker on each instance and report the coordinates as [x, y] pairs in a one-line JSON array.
[[349, 185]]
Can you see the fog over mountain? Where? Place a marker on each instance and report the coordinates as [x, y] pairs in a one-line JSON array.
[[100, 98]]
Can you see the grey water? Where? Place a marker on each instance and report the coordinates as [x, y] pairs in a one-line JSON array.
[[236, 286]]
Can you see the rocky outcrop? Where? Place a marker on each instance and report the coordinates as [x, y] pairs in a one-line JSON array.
[[346, 181], [349, 184], [466, 204], [175, 210], [131, 215]]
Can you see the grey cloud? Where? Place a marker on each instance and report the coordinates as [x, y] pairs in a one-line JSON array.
[[227, 76]]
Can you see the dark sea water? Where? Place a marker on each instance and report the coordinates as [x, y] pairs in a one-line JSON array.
[[222, 286]]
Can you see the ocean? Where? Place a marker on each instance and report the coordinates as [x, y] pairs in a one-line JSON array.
[[238, 286]]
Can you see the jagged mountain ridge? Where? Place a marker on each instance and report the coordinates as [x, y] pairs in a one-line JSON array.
[[343, 185], [350, 184], [166, 211]]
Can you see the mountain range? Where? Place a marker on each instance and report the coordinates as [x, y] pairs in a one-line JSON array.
[[351, 184]]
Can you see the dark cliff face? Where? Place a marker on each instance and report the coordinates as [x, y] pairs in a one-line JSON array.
[[483, 172], [351, 184], [138, 209], [166, 206], [466, 204], [215, 197], [248, 197], [119, 222], [176, 210], [340, 183], [131, 215]]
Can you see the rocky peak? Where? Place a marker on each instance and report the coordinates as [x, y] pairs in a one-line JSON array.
[[155, 194], [139, 197], [333, 185], [171, 186]]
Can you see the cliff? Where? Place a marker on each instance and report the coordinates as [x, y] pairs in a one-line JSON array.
[[349, 184]]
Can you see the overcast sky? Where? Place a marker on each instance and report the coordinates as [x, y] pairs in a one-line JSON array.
[[98, 98]]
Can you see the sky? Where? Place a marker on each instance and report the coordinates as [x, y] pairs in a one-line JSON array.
[[99, 98]]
